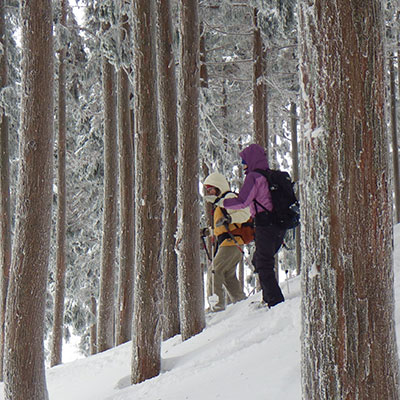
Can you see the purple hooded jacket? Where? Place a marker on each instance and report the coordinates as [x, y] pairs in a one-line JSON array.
[[255, 186]]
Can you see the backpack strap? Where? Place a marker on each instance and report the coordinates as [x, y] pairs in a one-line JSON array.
[[225, 235], [255, 204], [264, 173], [220, 197]]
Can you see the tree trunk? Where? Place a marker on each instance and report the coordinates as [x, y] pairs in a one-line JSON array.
[[295, 175], [127, 207], [148, 304], [24, 361], [93, 326], [203, 65], [259, 90], [5, 213], [395, 146], [348, 339], [190, 275], [105, 323], [58, 314], [208, 242], [168, 125]]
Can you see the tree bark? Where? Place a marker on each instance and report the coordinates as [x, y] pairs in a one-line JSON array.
[[295, 175], [105, 323], [93, 326], [348, 339], [59, 297], [189, 271], [5, 213], [127, 207], [24, 361], [168, 125], [203, 58], [259, 89], [148, 299], [395, 146], [208, 240]]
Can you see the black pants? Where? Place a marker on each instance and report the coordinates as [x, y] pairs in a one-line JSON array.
[[268, 240]]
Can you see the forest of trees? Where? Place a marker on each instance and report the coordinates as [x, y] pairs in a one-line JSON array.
[[113, 113]]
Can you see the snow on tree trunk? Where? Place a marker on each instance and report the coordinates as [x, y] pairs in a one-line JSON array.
[[188, 246], [5, 213], [148, 301], [168, 125], [127, 226], [24, 352], [105, 324], [348, 339], [58, 314]]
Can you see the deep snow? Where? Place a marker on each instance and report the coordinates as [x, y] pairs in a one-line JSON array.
[[244, 353]]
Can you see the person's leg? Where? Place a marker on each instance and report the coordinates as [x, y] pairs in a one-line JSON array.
[[218, 271], [231, 282], [268, 240]]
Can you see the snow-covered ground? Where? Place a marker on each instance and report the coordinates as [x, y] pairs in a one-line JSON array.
[[243, 353]]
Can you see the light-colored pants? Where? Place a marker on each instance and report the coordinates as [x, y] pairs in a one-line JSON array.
[[225, 264]]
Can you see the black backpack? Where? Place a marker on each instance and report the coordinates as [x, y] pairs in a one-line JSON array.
[[286, 211]]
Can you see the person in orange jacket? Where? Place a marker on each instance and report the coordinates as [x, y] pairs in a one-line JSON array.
[[229, 251]]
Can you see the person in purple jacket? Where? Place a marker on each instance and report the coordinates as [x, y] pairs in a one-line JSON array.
[[255, 194]]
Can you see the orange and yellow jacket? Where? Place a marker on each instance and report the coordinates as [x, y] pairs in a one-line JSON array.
[[238, 216]]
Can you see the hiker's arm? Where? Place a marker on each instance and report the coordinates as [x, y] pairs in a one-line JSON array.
[[245, 196]]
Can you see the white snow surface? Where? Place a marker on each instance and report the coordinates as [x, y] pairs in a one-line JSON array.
[[244, 353]]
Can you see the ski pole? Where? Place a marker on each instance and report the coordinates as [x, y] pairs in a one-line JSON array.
[[205, 248], [287, 280]]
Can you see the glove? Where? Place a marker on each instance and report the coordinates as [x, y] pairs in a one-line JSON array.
[[225, 220], [204, 232]]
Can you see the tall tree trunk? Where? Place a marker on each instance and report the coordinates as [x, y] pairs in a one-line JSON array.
[[127, 226], [148, 304], [58, 314], [24, 362], [295, 175], [93, 326], [105, 323], [207, 206], [259, 90], [168, 125], [348, 339], [208, 242], [203, 65], [5, 214], [190, 275], [395, 146]]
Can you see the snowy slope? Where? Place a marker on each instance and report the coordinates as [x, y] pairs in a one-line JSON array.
[[243, 353]]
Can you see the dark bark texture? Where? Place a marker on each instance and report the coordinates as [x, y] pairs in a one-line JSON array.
[[169, 132], [106, 313], [59, 297], [189, 271], [349, 346], [127, 203], [24, 362], [5, 208], [148, 300]]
